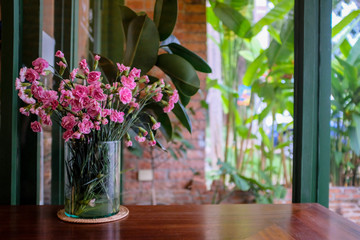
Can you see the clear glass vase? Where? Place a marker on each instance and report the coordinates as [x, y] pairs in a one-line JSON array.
[[92, 179]]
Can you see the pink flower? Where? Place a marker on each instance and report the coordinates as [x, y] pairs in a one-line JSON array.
[[18, 84], [128, 82], [156, 126], [93, 108], [23, 96], [36, 126], [128, 143], [49, 98], [135, 73], [76, 105], [158, 97], [68, 122], [68, 135], [125, 95], [146, 78], [169, 107], [85, 126], [122, 68], [140, 138], [84, 66], [152, 143], [133, 103], [80, 91], [39, 65], [94, 77], [104, 121], [46, 119], [22, 74], [65, 97], [24, 111], [174, 98], [31, 75], [117, 116], [97, 93], [106, 112], [97, 57], [73, 73], [59, 54], [76, 135], [61, 64], [107, 86], [37, 91]]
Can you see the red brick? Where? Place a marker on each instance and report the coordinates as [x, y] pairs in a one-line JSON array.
[[135, 5], [131, 185], [146, 186], [193, 27], [192, 18], [187, 174], [336, 190], [195, 154], [350, 190], [144, 164], [356, 196], [195, 8], [160, 175]]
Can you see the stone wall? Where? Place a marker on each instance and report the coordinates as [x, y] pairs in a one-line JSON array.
[[173, 178]]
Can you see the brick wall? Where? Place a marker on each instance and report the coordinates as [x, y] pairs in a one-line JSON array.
[[174, 179]]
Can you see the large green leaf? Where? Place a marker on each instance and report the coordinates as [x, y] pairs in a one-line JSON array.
[[184, 99], [237, 4], [251, 73], [142, 44], [183, 117], [108, 68], [127, 15], [354, 135], [212, 19], [350, 73], [278, 12], [165, 14], [345, 48], [197, 62], [344, 22], [354, 53], [282, 52], [181, 73], [232, 19]]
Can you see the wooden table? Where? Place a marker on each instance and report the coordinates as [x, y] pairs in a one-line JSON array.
[[292, 221]]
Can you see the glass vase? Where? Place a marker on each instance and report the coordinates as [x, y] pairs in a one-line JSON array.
[[92, 178]]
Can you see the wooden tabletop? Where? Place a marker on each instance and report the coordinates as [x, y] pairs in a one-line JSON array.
[[250, 221]]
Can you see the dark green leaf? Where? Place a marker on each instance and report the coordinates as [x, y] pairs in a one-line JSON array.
[[184, 99], [108, 68], [181, 114], [127, 15], [165, 14], [142, 44], [181, 73], [232, 19], [197, 62]]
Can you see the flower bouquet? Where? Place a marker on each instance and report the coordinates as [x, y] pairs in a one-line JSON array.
[[95, 115]]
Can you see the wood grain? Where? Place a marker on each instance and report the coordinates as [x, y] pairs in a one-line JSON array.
[[291, 221]]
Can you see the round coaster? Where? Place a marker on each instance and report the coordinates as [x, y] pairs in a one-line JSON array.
[[123, 212]]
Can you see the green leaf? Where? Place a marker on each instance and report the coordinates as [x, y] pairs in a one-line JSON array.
[[274, 34], [251, 73], [237, 4], [197, 62], [183, 117], [282, 145], [338, 157], [278, 12], [345, 48], [354, 53], [241, 183], [344, 22], [142, 44], [165, 14], [350, 73], [232, 19], [127, 15], [212, 19], [354, 135], [265, 138], [108, 68], [184, 99], [181, 73]]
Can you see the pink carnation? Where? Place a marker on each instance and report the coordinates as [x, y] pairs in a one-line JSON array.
[[25, 98], [152, 143], [104, 121], [80, 91], [46, 119], [18, 85], [97, 93], [59, 54], [140, 139], [31, 75], [73, 73], [61, 64], [22, 74], [174, 98], [125, 95], [76, 135], [76, 105], [93, 108], [68, 135], [128, 143], [24, 111], [133, 103], [158, 97], [39, 65], [36, 126], [37, 91], [117, 116], [85, 126], [156, 126], [97, 57], [169, 107], [122, 68], [65, 97], [68, 122], [128, 82], [84, 66], [135, 73], [106, 112], [49, 98], [94, 77]]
